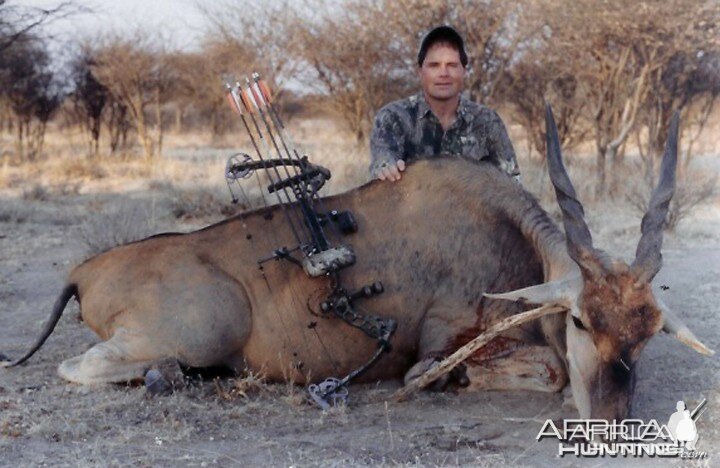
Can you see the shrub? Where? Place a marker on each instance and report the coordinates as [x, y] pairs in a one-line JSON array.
[[690, 192], [105, 230]]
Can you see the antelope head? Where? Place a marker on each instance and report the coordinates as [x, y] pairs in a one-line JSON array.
[[612, 310]]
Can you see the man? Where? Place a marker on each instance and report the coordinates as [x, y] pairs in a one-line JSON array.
[[682, 426], [438, 121]]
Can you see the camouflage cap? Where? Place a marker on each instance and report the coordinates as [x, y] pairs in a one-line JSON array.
[[442, 34]]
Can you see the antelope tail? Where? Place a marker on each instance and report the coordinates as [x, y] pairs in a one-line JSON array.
[[69, 291]]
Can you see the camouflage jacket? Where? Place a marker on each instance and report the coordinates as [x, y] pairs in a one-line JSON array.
[[408, 130]]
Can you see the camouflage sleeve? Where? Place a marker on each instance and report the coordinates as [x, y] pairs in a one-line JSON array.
[[387, 140], [501, 150]]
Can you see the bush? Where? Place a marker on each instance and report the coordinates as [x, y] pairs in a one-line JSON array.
[[201, 203], [15, 213], [80, 168], [105, 230], [36, 193], [692, 191]]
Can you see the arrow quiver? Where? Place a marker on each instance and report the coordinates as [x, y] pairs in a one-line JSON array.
[[295, 182]]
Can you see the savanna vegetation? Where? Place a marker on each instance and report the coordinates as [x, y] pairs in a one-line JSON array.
[[614, 71]]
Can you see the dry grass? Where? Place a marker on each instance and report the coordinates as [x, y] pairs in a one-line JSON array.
[[247, 421], [200, 202], [187, 160], [252, 384], [36, 193], [79, 168], [633, 190], [690, 193], [189, 184], [15, 212], [127, 223], [187, 188]]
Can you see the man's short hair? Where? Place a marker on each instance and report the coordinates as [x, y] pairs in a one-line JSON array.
[[442, 34]]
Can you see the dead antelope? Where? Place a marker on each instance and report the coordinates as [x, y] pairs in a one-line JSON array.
[[448, 233]]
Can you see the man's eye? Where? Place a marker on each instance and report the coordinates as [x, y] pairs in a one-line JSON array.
[[578, 323]]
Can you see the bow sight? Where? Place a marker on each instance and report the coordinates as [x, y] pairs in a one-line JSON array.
[[295, 180]]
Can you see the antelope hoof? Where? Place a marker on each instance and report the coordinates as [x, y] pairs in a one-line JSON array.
[[419, 369], [456, 376], [156, 384], [459, 375], [568, 400]]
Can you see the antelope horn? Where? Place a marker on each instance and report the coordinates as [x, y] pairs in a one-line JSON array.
[[648, 258], [578, 237], [563, 292], [676, 327]]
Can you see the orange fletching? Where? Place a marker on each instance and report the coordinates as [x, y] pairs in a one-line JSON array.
[[258, 99], [265, 91], [233, 103], [246, 100]]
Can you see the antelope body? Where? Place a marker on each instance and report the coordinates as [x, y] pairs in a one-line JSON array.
[[441, 239]]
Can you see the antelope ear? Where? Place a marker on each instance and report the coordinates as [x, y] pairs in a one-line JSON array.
[[676, 327], [564, 292]]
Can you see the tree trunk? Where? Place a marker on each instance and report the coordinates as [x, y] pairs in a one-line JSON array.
[[143, 135], [600, 168], [617, 164], [95, 131], [36, 139], [214, 124], [178, 119], [158, 122], [19, 143]]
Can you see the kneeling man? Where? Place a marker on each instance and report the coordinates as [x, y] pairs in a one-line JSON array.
[[438, 120]]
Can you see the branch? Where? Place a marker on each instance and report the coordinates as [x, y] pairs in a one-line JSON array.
[[631, 108], [63, 10], [468, 349]]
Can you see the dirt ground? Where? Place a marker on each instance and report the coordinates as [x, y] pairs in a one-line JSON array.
[[45, 421]]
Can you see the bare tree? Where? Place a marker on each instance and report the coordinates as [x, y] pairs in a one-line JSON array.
[[136, 73], [614, 75], [249, 37], [89, 98], [620, 52], [200, 78], [538, 79], [118, 124], [493, 30], [29, 94], [689, 79], [19, 21], [28, 85], [355, 58], [364, 54], [697, 119]]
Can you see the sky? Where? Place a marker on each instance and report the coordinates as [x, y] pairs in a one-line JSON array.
[[180, 20]]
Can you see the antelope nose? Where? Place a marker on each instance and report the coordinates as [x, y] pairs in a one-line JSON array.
[[622, 369]]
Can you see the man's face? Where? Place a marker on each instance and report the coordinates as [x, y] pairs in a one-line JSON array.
[[442, 73]]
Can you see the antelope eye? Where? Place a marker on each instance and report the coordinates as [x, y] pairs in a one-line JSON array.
[[578, 323]]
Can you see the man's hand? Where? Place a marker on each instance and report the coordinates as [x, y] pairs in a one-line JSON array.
[[391, 171]]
